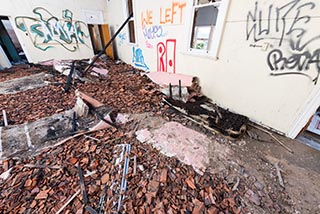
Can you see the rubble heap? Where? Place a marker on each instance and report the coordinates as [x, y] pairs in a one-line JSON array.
[[124, 89], [19, 71], [86, 173]]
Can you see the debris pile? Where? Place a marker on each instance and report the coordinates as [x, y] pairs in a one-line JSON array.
[[110, 171], [19, 71], [124, 89], [34, 104], [211, 116]]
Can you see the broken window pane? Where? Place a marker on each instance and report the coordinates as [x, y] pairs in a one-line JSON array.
[[130, 7], [205, 19], [131, 32], [132, 37]]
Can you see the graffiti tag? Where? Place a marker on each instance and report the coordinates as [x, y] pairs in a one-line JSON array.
[[172, 14], [47, 29], [166, 56], [276, 23], [153, 32], [122, 38], [138, 59]]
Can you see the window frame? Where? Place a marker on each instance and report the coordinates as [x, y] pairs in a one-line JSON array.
[[215, 36], [131, 20]]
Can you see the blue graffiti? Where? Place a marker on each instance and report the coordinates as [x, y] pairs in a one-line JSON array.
[[153, 32], [122, 38], [138, 59], [48, 29]]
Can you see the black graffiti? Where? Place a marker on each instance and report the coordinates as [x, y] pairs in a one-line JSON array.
[[278, 24], [255, 46], [297, 61]]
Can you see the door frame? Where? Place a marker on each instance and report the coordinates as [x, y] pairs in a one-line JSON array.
[[308, 111]]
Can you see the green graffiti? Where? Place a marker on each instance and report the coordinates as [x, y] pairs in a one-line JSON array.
[[47, 29]]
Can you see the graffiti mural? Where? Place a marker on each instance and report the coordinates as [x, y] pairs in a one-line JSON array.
[[46, 29], [286, 24], [138, 59], [166, 56]]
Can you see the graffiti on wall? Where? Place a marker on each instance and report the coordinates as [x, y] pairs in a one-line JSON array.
[[172, 14], [138, 59], [153, 21], [153, 32], [286, 24], [166, 56], [148, 45], [122, 38], [46, 30]]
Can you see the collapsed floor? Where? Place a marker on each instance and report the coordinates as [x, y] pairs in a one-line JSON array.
[[86, 173]]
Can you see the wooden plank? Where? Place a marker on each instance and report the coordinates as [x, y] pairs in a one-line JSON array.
[[105, 37]]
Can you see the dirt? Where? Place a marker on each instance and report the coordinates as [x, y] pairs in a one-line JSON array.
[[224, 121], [253, 162], [300, 172]]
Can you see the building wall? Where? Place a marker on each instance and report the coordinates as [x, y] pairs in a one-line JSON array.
[[54, 29], [243, 76]]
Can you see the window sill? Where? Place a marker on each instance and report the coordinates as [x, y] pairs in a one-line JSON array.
[[200, 55], [131, 44]]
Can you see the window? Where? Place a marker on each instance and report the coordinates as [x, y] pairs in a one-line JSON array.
[[207, 26], [132, 37]]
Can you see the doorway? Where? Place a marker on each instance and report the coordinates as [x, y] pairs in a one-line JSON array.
[[100, 36], [311, 134], [10, 43]]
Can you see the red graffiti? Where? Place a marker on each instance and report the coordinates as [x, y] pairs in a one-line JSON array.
[[166, 56]]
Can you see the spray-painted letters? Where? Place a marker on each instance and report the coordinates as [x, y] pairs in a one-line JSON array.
[[138, 59], [166, 56], [153, 32], [48, 29], [286, 24], [172, 14], [122, 38]]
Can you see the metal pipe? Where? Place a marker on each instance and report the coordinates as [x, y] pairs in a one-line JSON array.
[[69, 80], [123, 186], [109, 43], [180, 92], [5, 118]]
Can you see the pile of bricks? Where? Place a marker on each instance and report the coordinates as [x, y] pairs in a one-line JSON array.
[[123, 89], [86, 175], [19, 71]]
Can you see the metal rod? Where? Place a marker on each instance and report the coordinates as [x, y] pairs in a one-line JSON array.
[[5, 118], [74, 122], [82, 187], [180, 92], [92, 138], [68, 202], [170, 90], [0, 142], [123, 186], [135, 165], [109, 43], [69, 80]]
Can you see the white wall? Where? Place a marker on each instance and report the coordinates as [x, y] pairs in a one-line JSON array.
[[58, 49], [240, 79], [4, 61]]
